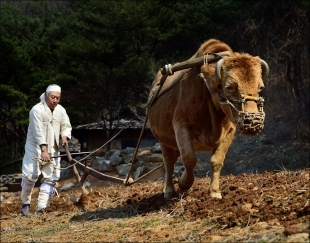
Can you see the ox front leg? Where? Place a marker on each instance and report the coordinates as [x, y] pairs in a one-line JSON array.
[[170, 157], [217, 161], [216, 166]]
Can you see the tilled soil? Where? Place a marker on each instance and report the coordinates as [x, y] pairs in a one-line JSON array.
[[267, 207]]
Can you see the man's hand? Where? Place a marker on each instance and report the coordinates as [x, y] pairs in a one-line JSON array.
[[44, 153], [64, 141]]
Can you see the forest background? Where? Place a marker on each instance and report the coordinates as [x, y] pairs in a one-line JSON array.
[[105, 54]]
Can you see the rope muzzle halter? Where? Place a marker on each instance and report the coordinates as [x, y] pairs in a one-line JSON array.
[[249, 123]]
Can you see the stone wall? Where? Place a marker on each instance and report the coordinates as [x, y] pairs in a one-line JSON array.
[[120, 161]]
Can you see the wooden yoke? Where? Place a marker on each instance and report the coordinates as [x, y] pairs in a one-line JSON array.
[[210, 58]]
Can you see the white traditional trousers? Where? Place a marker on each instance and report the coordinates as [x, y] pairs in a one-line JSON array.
[[31, 170]]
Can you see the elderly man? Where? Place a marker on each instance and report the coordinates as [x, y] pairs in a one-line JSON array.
[[47, 122]]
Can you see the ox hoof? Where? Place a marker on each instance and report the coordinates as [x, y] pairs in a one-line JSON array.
[[216, 195], [183, 186], [169, 195]]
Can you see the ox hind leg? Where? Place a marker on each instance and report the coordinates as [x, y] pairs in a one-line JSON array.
[[188, 156], [170, 157]]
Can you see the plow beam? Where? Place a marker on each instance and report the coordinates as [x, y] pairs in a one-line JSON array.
[[97, 174]]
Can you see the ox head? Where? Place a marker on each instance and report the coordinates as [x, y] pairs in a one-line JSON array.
[[239, 81]]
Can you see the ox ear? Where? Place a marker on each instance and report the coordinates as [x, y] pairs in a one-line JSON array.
[[218, 67], [265, 68]]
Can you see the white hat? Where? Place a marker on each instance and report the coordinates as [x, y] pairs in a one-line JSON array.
[[53, 87], [50, 88]]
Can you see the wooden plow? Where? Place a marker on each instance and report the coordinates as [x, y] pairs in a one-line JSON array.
[[166, 71]]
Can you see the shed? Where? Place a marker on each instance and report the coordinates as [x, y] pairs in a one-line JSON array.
[[94, 135]]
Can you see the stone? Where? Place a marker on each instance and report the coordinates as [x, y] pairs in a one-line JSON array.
[[145, 152], [73, 198], [123, 169], [156, 148], [66, 172], [116, 153], [129, 150], [102, 164], [156, 158], [178, 170], [67, 186], [87, 184], [73, 146], [109, 153], [179, 162], [128, 159], [139, 163], [139, 172], [116, 160], [101, 160]]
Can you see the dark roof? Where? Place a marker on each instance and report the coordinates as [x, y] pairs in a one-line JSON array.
[[133, 124]]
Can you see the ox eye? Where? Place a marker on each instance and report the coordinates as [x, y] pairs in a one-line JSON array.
[[229, 87]]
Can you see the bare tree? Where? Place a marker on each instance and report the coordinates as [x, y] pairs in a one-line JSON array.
[[278, 31]]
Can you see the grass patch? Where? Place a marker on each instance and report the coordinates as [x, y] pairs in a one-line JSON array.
[[47, 231]]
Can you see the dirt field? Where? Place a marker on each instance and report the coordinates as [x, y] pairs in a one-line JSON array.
[[268, 207]]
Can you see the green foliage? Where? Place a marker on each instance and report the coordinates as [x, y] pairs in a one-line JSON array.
[[26, 68], [27, 49], [13, 120]]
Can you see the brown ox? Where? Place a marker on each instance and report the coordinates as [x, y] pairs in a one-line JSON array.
[[200, 112]]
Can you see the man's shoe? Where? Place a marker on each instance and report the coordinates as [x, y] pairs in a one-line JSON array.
[[25, 210], [41, 211]]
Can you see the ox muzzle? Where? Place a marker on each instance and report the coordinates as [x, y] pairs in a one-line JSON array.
[[249, 123]]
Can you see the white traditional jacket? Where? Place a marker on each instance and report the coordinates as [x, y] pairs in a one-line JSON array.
[[46, 127]]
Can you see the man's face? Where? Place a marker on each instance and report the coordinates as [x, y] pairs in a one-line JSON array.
[[52, 99]]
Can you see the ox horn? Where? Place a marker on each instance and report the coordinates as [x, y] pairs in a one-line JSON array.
[[265, 68], [218, 68]]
